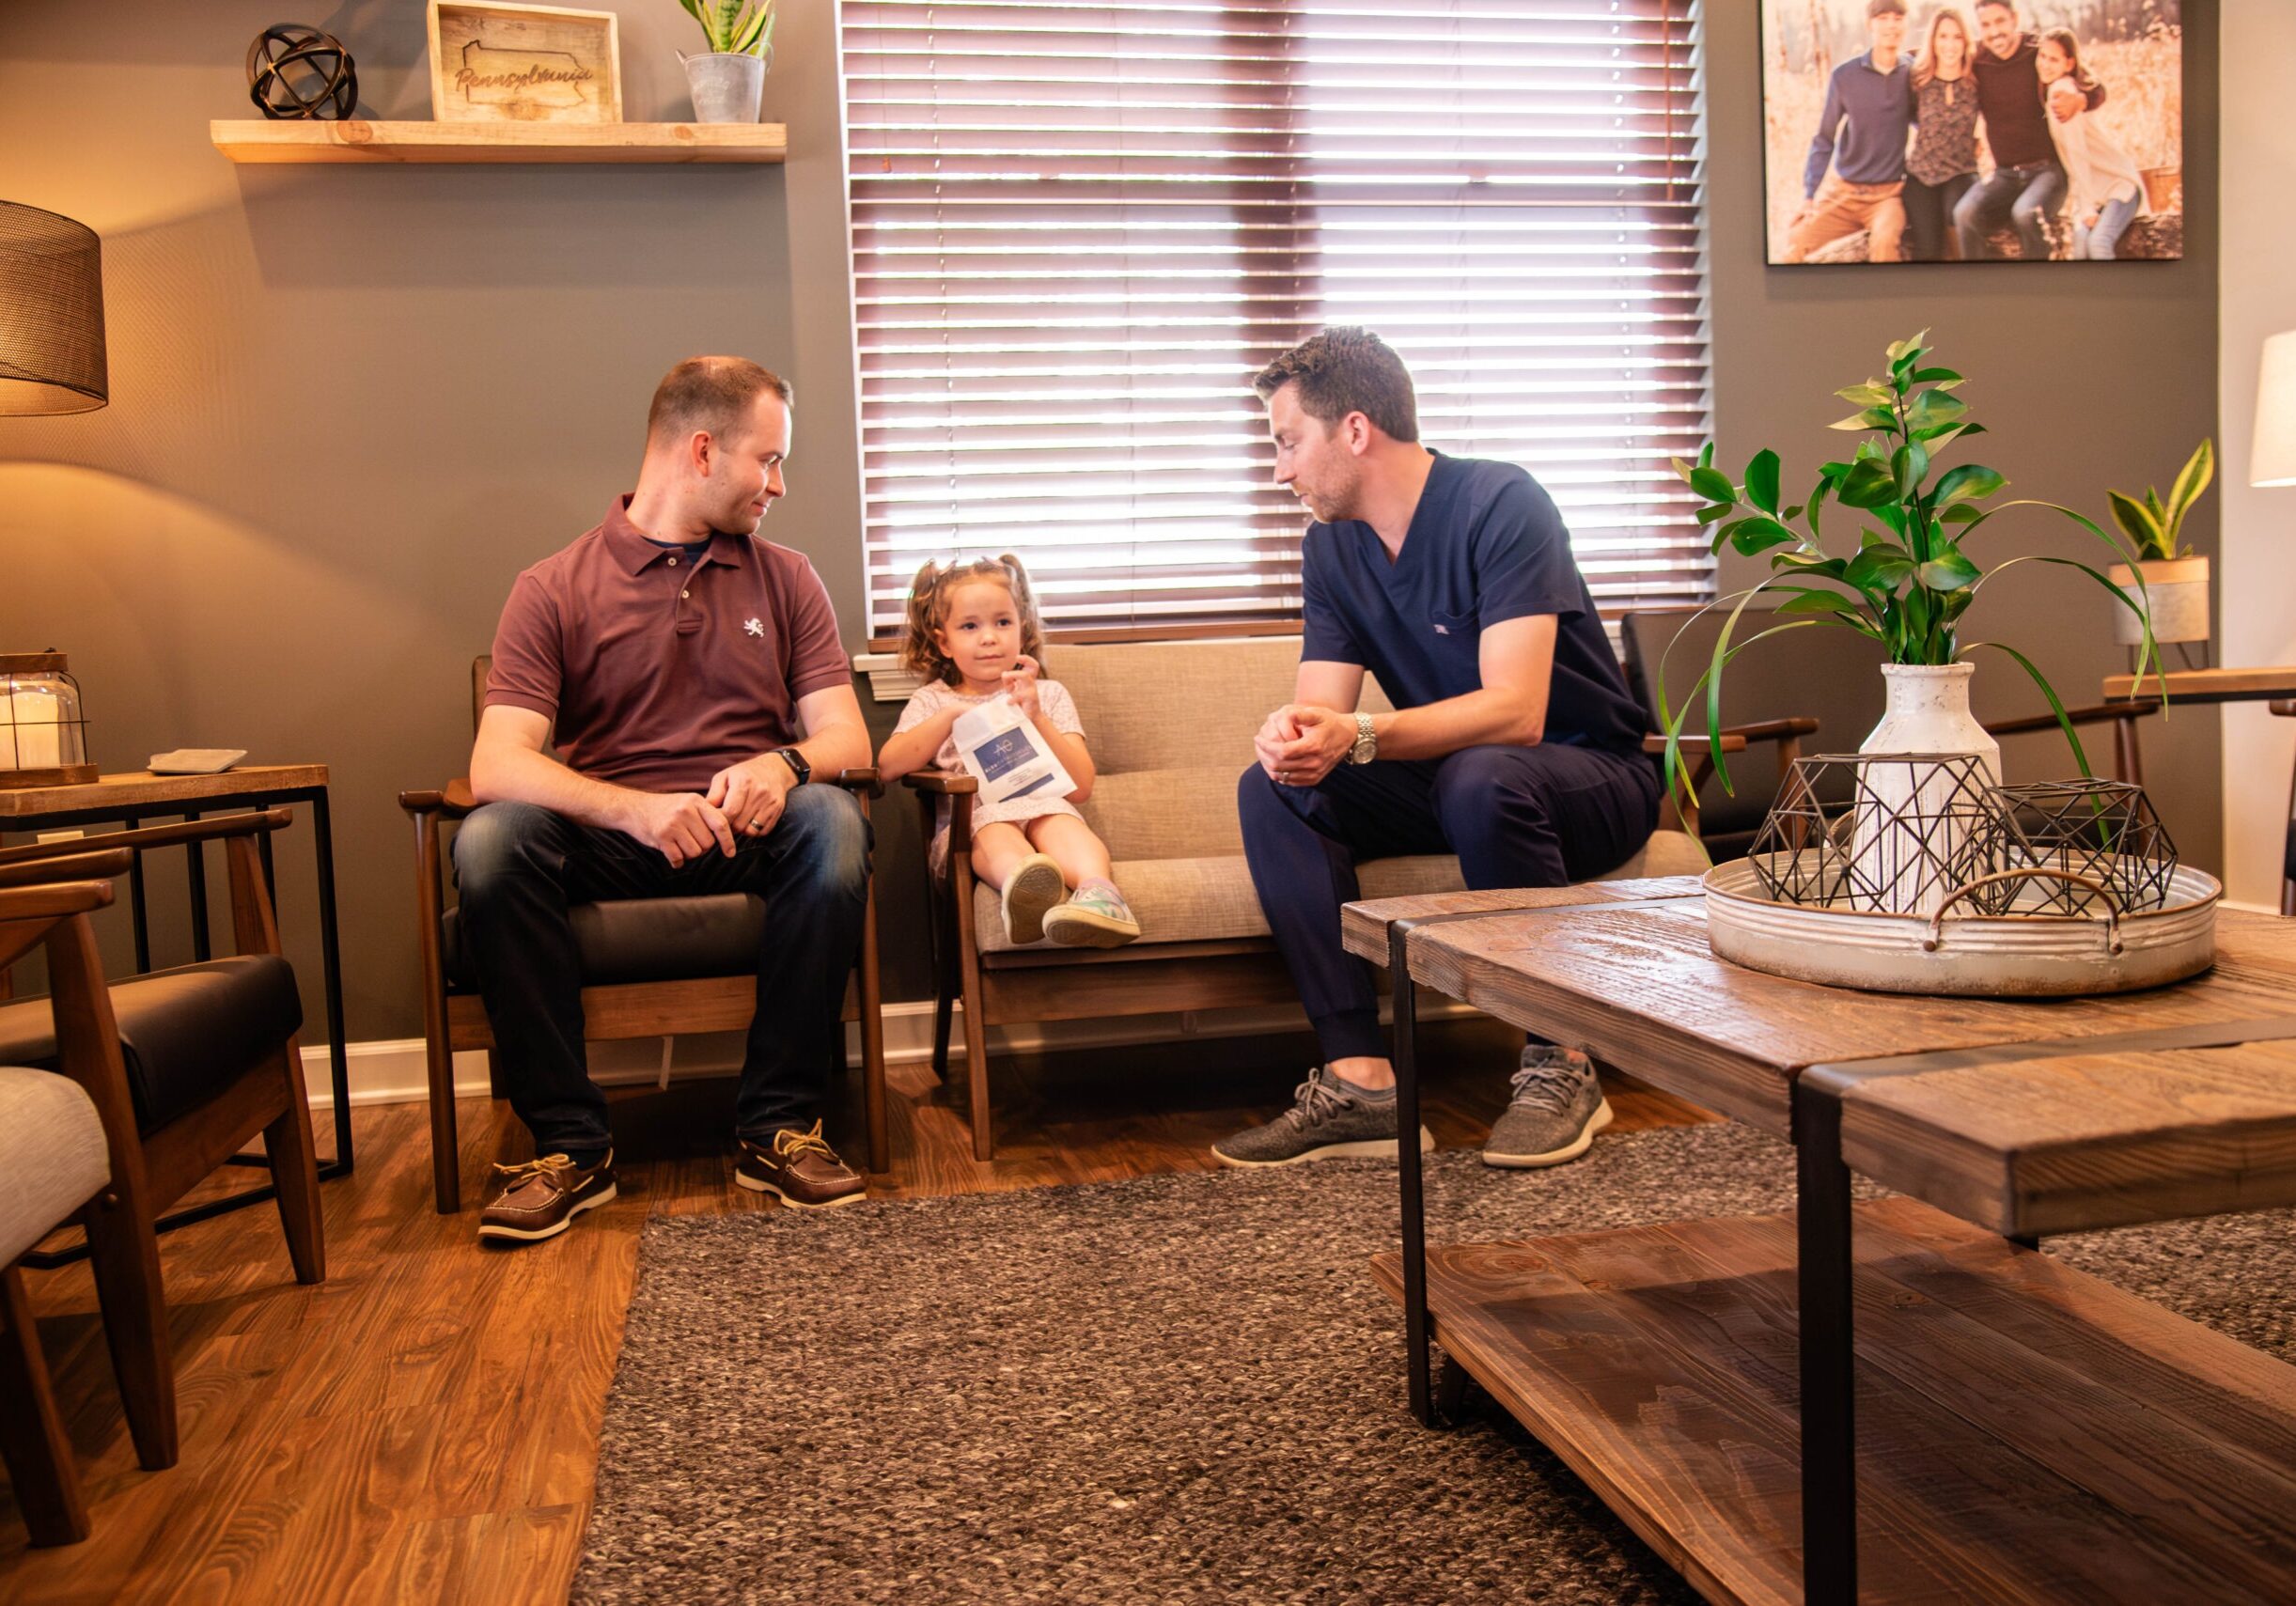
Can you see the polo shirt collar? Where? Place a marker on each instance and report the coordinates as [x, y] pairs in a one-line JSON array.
[[635, 550]]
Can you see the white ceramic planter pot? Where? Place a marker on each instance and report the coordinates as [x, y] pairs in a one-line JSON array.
[[2176, 590], [1907, 818], [727, 87]]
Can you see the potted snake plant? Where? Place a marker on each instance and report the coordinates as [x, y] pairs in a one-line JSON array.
[[729, 79], [2174, 581]]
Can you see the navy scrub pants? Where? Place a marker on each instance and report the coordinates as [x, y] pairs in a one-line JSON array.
[[1517, 817]]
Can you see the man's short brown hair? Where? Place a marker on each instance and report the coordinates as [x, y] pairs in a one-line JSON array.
[[1346, 371], [710, 393]]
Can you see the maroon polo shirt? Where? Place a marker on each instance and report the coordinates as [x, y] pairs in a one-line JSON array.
[[660, 669]]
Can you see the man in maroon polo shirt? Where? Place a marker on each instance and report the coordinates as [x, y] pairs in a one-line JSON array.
[[693, 679]]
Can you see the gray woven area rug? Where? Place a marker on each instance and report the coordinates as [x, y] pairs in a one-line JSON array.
[[1173, 1388]]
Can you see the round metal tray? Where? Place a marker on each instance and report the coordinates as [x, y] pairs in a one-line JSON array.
[[1965, 955]]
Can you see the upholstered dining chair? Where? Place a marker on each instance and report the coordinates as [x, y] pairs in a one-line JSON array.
[[651, 968], [207, 1057], [55, 1166], [181, 1068]]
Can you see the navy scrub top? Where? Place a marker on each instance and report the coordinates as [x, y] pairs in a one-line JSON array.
[[1486, 544]]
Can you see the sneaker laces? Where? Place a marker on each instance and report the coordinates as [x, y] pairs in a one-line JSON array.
[[1315, 1100], [1101, 901], [1548, 1083]]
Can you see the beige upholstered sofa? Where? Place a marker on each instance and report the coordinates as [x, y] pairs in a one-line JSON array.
[[1170, 726]]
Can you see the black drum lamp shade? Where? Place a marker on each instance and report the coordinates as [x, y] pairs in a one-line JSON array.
[[51, 314]]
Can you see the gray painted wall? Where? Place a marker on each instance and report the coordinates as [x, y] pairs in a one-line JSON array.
[[2089, 374], [349, 404]]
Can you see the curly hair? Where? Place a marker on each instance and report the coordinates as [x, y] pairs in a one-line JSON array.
[[929, 594]]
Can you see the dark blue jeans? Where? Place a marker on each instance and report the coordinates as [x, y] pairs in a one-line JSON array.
[[521, 868], [2027, 196], [1517, 817]]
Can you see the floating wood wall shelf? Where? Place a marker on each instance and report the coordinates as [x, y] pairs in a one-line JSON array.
[[259, 140]]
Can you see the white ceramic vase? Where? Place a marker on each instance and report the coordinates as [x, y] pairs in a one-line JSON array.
[[728, 86], [1907, 818]]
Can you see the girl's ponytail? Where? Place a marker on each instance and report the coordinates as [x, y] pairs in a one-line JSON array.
[[920, 654]]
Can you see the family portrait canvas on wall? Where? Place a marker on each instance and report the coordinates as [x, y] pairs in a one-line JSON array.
[[1961, 130]]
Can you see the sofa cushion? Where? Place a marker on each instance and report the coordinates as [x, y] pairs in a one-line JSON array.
[[51, 1155], [1209, 900], [646, 939], [186, 1034]]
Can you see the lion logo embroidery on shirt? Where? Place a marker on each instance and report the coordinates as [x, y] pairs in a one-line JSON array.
[[755, 627]]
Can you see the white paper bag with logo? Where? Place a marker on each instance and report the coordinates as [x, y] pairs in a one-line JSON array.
[[1008, 754]]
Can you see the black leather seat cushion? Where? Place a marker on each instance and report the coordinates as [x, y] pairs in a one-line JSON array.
[[186, 1034], [646, 939]]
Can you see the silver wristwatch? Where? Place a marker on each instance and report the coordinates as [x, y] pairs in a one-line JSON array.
[[1366, 742]]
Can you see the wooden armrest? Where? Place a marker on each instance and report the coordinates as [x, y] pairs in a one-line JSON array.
[[941, 783], [68, 868], [453, 801], [2283, 707], [863, 779], [2096, 713], [1698, 746], [1773, 729], [52, 900], [146, 836]]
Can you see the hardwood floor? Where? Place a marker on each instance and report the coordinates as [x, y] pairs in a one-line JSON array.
[[423, 1426]]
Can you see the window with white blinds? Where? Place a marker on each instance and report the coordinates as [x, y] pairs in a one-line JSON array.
[[1078, 230]]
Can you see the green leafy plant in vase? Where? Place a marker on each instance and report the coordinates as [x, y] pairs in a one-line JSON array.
[[1907, 585], [2174, 581], [729, 79]]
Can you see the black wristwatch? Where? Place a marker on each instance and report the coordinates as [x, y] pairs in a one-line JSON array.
[[797, 762]]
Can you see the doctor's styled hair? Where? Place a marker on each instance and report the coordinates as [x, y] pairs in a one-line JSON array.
[[929, 595], [1346, 371]]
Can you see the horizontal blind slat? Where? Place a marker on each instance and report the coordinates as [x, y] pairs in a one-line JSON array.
[[1079, 228]]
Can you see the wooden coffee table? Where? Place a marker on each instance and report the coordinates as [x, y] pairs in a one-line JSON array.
[[2031, 1433]]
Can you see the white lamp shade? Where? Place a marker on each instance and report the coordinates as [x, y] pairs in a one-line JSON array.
[[2273, 461]]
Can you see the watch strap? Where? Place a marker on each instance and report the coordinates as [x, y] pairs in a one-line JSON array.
[[796, 761]]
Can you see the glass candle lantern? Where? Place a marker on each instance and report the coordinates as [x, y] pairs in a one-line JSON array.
[[43, 732]]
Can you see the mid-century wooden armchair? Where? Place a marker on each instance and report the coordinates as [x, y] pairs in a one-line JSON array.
[[624, 992], [2285, 708], [184, 1066]]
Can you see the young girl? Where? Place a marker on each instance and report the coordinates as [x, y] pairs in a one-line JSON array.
[[2106, 189], [973, 633]]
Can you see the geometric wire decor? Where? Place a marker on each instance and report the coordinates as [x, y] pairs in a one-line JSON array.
[[2103, 832], [1918, 828]]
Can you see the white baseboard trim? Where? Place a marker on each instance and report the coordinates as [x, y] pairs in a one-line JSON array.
[[392, 1071]]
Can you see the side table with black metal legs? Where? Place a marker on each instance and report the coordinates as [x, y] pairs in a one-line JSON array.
[[131, 799]]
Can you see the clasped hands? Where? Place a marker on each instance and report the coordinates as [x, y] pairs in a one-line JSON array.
[[1300, 743], [742, 799]]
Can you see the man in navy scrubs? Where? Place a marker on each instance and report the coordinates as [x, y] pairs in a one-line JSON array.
[[1514, 743]]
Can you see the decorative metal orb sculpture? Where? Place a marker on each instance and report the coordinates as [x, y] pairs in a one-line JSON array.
[[1914, 831], [2084, 830], [296, 71]]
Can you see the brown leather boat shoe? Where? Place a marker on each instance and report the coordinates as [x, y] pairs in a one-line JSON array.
[[541, 1197], [802, 1169]]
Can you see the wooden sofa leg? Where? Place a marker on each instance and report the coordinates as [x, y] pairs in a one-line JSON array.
[[873, 1043], [32, 1437], [975, 1026], [294, 1172]]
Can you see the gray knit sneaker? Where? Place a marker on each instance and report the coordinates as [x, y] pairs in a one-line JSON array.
[[1558, 1108], [1328, 1121]]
